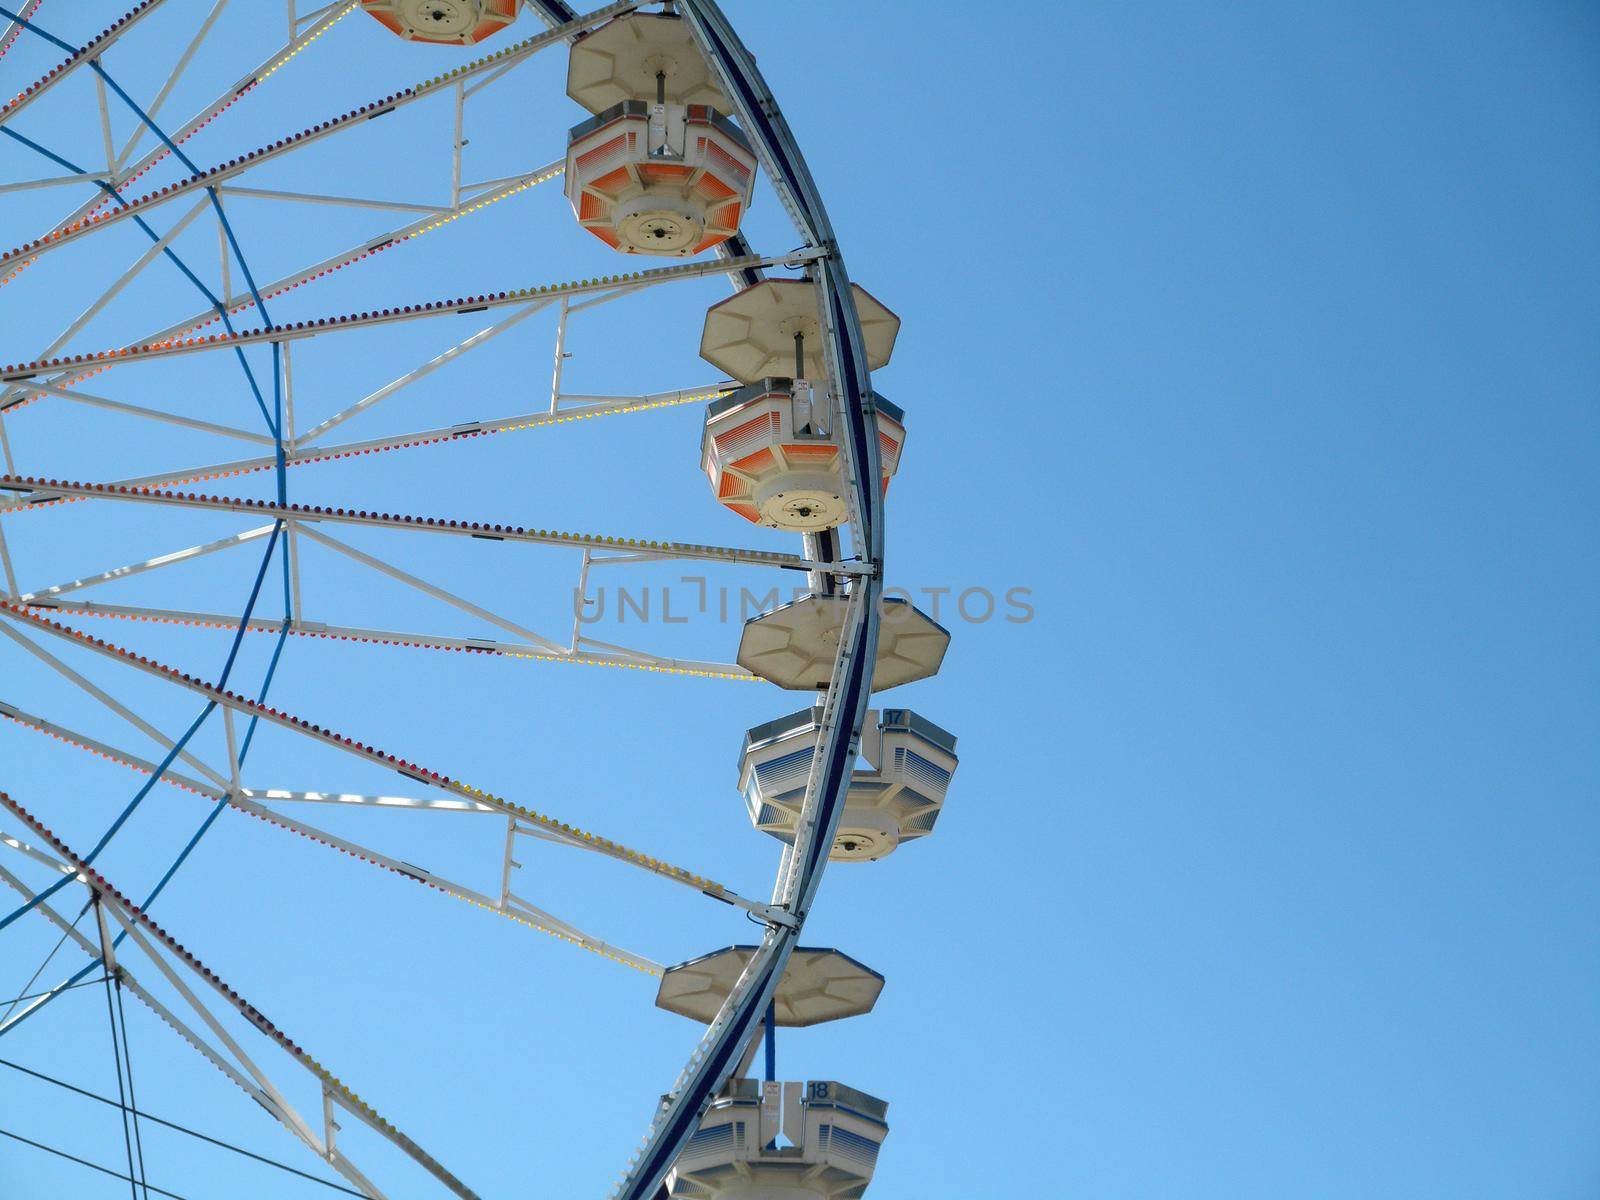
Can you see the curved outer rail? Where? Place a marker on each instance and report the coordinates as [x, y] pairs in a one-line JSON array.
[[849, 690]]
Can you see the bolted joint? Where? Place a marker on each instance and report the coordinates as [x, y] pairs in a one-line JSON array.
[[777, 915]]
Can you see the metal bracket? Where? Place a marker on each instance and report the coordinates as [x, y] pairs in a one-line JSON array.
[[776, 914]]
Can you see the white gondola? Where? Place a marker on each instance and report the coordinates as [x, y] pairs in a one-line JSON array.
[[818, 985], [772, 455], [771, 450], [659, 169], [897, 800], [766, 1140], [448, 22], [794, 645]]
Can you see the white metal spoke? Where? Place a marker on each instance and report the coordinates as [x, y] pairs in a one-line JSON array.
[[573, 408], [38, 856], [487, 194], [326, 8], [105, 124], [147, 935], [294, 141], [457, 143], [487, 531], [279, 796], [224, 256], [87, 54], [430, 589], [637, 659], [389, 389], [53, 181], [5, 563], [336, 201], [317, 327], [567, 834], [109, 701], [149, 414], [182, 65], [149, 564]]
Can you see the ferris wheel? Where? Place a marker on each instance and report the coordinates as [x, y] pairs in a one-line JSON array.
[[201, 564]]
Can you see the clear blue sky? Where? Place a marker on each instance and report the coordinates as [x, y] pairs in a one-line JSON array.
[[1257, 341]]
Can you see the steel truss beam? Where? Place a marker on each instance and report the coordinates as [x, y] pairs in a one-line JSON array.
[[54, 181]]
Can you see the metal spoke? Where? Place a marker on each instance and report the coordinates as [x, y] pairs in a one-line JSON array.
[[82, 57], [54, 181], [430, 589], [487, 531], [280, 795], [149, 564], [235, 303], [561, 831], [337, 201], [109, 701], [156, 945], [149, 414], [249, 801], [294, 141], [316, 327], [574, 408], [632, 659], [245, 84], [439, 360], [182, 65]]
